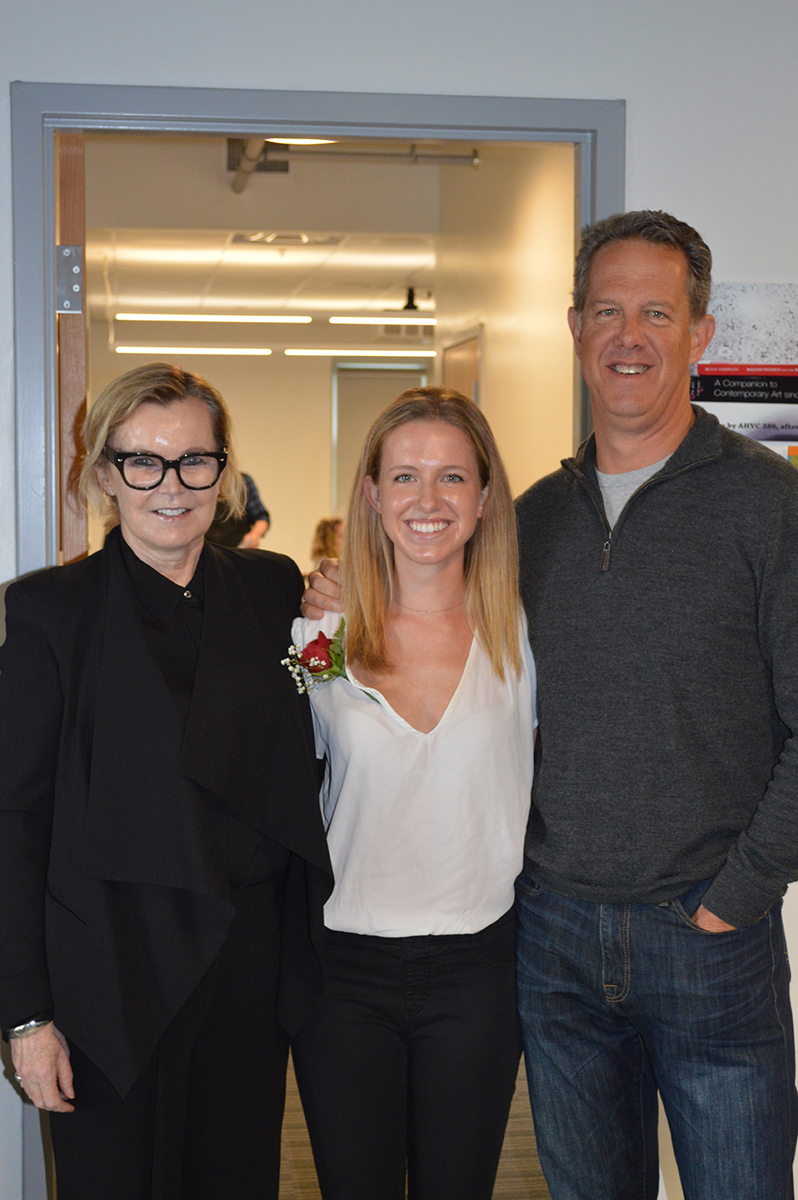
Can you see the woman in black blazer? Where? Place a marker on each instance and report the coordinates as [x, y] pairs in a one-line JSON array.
[[162, 859]]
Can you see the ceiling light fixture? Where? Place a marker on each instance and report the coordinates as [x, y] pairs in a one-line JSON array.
[[302, 141], [411, 305], [213, 317], [408, 320], [346, 350], [191, 350]]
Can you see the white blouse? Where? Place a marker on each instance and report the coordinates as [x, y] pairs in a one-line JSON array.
[[425, 830]]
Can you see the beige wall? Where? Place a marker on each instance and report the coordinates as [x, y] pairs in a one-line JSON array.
[[505, 261], [281, 407], [282, 414], [361, 395], [505, 254], [176, 182]]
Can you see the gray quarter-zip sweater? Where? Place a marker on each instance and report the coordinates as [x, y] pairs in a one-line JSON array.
[[667, 665]]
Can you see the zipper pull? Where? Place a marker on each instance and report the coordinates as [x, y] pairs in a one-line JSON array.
[[604, 561]]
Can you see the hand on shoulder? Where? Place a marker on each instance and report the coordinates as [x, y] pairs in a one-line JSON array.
[[323, 593]]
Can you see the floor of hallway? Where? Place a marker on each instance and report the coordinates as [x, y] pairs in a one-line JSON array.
[[519, 1177]]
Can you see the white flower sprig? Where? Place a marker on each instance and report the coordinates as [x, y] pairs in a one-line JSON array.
[[320, 661]]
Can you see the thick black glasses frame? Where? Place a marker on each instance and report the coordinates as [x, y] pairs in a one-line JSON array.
[[118, 457]]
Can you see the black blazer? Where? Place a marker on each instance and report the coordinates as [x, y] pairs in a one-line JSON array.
[[113, 902]]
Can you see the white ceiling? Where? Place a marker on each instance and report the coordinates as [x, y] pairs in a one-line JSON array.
[[236, 270], [207, 271]]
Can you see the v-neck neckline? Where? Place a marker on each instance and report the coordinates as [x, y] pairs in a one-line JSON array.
[[377, 695]]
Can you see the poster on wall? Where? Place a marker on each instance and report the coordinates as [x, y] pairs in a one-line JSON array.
[[749, 375]]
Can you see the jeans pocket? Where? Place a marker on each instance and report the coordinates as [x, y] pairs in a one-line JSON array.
[[526, 886], [685, 905]]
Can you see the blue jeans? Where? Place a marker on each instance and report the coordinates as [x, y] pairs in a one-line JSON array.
[[620, 1001]]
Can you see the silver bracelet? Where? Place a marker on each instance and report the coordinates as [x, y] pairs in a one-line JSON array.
[[28, 1027]]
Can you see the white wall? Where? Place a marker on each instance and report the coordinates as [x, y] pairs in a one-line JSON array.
[[712, 106]]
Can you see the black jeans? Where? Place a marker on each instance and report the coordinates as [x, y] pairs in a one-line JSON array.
[[411, 1064]]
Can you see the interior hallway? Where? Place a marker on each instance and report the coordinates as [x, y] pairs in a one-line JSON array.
[[519, 1177]]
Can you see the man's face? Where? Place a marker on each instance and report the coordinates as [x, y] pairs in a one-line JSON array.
[[636, 340]]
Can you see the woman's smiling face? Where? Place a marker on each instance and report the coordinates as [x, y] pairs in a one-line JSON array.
[[169, 522], [429, 494]]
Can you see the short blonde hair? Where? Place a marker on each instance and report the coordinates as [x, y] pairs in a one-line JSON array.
[[491, 554], [155, 383]]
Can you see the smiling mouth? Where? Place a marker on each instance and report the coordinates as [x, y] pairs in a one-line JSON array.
[[170, 512], [628, 368], [428, 526]]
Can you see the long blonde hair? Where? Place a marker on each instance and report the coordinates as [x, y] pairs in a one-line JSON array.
[[491, 554], [154, 383]]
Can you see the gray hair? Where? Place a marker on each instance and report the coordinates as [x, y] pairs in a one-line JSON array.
[[659, 228]]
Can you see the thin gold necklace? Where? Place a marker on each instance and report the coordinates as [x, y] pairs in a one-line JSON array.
[[429, 612]]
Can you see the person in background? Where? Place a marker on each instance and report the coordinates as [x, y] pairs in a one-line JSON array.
[[162, 858], [245, 529], [327, 539], [427, 723]]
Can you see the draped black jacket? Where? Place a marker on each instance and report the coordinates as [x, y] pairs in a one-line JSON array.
[[113, 901]]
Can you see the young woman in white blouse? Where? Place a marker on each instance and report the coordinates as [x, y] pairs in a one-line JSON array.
[[410, 1066]]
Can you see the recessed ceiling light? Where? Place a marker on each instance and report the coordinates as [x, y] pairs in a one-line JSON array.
[[213, 317], [191, 350], [302, 141], [410, 320], [346, 350]]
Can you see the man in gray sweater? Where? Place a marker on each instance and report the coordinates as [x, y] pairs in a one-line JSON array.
[[659, 570]]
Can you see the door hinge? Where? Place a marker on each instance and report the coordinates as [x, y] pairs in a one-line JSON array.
[[69, 279]]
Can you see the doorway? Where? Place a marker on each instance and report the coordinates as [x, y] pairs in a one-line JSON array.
[[595, 128], [267, 293]]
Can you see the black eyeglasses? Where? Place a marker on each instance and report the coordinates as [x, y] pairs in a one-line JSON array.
[[144, 471]]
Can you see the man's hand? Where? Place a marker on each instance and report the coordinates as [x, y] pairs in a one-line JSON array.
[[41, 1063], [322, 593], [707, 920]]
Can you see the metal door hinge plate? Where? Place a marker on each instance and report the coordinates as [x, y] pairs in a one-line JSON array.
[[69, 279]]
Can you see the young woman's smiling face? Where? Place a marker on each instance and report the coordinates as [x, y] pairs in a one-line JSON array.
[[429, 494]]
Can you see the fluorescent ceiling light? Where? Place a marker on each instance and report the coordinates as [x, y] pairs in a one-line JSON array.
[[128, 316], [411, 320], [345, 351], [302, 141], [191, 350]]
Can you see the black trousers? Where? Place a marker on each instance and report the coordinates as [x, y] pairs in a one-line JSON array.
[[203, 1121], [411, 1063]]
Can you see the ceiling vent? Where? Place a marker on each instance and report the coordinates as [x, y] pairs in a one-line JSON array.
[[416, 332]]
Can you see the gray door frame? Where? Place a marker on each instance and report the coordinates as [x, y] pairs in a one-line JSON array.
[[40, 110]]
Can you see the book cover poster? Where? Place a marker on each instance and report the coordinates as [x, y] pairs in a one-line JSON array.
[[748, 376]]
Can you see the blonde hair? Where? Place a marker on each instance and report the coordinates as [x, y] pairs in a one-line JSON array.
[[155, 383], [491, 554], [326, 538]]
